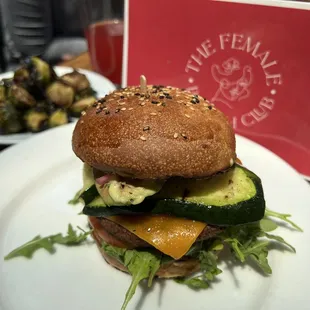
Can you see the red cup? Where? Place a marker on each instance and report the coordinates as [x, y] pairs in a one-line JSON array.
[[104, 31]]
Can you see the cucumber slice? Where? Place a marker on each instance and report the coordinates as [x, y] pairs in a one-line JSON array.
[[231, 198]]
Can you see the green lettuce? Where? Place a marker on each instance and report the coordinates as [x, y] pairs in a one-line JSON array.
[[140, 264], [207, 254], [251, 241], [48, 243]]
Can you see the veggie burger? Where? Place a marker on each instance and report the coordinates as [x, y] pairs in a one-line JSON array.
[[163, 188]]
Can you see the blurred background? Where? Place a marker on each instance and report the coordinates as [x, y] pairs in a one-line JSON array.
[[58, 31]]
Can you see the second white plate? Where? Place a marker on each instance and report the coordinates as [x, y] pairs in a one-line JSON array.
[[98, 82]]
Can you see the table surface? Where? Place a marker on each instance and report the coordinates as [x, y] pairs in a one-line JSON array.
[[82, 61]]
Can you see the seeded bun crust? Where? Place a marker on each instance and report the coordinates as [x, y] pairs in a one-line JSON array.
[[157, 134]]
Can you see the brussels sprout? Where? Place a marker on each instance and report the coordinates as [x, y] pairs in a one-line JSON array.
[[79, 106], [9, 119], [77, 80], [35, 120], [57, 118], [60, 94], [42, 70], [21, 75], [2, 93], [20, 97]]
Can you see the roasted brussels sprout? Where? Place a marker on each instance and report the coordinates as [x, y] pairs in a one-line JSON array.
[[20, 97], [41, 70], [21, 75], [35, 120], [79, 106], [77, 80], [9, 119], [57, 118], [2, 93], [60, 94]]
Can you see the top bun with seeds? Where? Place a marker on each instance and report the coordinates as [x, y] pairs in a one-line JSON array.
[[155, 134]]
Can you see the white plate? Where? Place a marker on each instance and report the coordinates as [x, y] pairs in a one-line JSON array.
[[40, 175], [98, 82]]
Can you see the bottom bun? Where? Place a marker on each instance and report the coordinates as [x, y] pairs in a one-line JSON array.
[[175, 268]]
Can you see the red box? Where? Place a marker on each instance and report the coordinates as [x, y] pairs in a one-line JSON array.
[[251, 61]]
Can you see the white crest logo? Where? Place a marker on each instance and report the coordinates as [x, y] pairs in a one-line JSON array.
[[234, 82], [231, 89]]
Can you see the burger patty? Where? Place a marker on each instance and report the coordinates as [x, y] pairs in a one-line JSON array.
[[132, 241]]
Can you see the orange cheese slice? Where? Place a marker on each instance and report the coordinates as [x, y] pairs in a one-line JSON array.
[[170, 235]]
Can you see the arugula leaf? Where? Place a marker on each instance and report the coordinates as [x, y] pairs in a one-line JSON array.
[[29, 248], [267, 225], [283, 217], [280, 239], [194, 283], [76, 199], [208, 268], [140, 264], [117, 253], [244, 243]]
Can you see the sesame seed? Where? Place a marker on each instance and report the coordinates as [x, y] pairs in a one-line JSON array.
[[142, 103], [122, 103], [175, 135], [184, 136], [146, 128], [117, 110], [123, 109], [193, 101], [130, 109], [143, 138], [231, 162], [83, 113], [192, 108], [149, 229], [187, 115], [153, 113]]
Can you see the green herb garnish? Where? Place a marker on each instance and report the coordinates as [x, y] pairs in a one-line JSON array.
[[140, 264], [48, 243]]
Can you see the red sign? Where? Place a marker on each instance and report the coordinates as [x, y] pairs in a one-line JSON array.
[[251, 61]]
